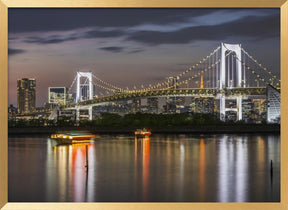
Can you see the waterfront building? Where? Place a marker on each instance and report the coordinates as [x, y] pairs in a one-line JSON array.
[[57, 95], [26, 95], [12, 111], [273, 105], [170, 107], [247, 110], [182, 109], [136, 105], [173, 101], [67, 115], [216, 107], [152, 104], [259, 110], [204, 105], [49, 106]]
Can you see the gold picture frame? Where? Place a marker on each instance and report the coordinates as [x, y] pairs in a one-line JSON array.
[[5, 4]]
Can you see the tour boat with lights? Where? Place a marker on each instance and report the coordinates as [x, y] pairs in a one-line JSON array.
[[140, 133], [73, 137]]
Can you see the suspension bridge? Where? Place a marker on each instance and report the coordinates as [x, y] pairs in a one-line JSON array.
[[229, 72]]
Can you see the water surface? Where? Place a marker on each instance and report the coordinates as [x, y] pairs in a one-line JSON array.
[[162, 168]]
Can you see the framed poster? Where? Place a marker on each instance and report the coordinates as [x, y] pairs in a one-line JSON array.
[[143, 105]]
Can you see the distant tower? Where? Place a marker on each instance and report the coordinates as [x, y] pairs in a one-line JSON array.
[[26, 95], [86, 88], [202, 83]]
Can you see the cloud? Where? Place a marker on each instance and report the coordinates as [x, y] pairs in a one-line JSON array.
[[112, 49], [249, 27], [15, 51], [136, 51], [60, 37], [32, 20], [54, 39], [103, 34]]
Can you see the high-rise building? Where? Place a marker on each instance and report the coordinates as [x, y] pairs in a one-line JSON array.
[[26, 95], [57, 95]]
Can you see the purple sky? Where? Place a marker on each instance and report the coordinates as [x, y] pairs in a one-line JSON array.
[[130, 47]]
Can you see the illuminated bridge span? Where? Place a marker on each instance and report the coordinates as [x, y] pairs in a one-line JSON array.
[[177, 92], [227, 72]]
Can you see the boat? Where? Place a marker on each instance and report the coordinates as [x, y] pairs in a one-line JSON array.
[[73, 137], [140, 133]]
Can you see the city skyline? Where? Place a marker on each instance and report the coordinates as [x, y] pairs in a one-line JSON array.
[[129, 47]]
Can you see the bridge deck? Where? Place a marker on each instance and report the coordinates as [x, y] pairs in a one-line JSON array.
[[177, 92]]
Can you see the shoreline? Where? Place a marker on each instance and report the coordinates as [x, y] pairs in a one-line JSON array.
[[249, 129]]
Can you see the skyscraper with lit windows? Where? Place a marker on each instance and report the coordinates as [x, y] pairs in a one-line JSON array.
[[26, 95]]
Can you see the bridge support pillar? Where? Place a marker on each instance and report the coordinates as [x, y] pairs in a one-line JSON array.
[[77, 115], [222, 107], [90, 113], [239, 108]]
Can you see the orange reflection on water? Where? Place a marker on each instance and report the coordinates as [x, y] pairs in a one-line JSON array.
[[202, 170], [142, 145], [135, 150], [146, 157], [71, 167]]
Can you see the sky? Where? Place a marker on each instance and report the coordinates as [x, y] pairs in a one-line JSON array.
[[129, 47]]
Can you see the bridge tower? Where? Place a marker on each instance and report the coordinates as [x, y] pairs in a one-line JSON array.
[[234, 48], [225, 79], [88, 85], [201, 83]]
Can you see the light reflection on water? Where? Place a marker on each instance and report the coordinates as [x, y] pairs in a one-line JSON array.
[[218, 168]]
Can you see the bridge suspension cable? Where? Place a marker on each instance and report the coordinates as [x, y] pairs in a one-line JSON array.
[[72, 84], [260, 65], [259, 77], [253, 71], [150, 87], [208, 68], [109, 84], [202, 71], [103, 87]]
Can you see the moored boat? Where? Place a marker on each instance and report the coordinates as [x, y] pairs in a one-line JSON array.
[[73, 137], [140, 133]]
